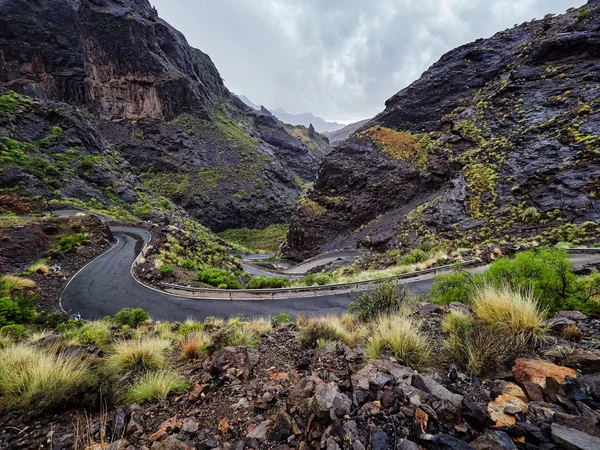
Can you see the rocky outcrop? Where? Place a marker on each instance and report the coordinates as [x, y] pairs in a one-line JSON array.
[[162, 104], [496, 141]]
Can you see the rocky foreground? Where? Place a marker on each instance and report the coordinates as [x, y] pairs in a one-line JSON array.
[[283, 395]]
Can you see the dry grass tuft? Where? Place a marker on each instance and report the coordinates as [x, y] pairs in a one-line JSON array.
[[39, 267], [399, 335], [156, 386], [36, 379], [571, 332], [138, 355], [195, 345], [11, 283]]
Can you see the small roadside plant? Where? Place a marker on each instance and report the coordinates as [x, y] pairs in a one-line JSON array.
[[156, 386], [15, 331], [452, 287], [218, 278], [68, 243], [386, 298], [12, 283], [195, 345], [414, 257], [263, 282], [96, 333], [167, 270], [138, 355], [316, 279], [131, 317]]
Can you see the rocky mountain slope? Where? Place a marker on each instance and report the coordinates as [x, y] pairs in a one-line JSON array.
[[497, 141], [344, 133], [160, 104]]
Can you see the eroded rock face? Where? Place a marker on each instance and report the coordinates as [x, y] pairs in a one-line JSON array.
[[502, 139], [162, 104]]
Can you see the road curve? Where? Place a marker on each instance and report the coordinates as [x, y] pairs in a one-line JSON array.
[[106, 285]]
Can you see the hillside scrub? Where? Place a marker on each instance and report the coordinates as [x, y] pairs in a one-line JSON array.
[[386, 298], [218, 278], [264, 282], [266, 240]]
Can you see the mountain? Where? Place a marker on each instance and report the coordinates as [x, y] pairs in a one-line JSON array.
[[248, 102], [340, 135], [306, 119], [496, 144], [152, 101]]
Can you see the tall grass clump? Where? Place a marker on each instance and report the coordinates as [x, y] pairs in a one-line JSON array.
[[12, 283], [400, 336], [96, 333], [138, 355], [195, 345], [36, 379], [156, 386], [319, 331]]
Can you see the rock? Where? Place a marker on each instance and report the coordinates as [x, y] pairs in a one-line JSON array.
[[533, 391], [189, 425], [429, 385], [170, 443], [391, 367], [570, 439], [457, 306], [233, 359], [503, 409], [496, 370], [413, 395], [367, 382], [260, 431], [570, 315], [585, 361], [120, 420], [493, 440], [536, 371], [592, 381], [420, 420], [379, 440], [550, 389], [282, 429], [426, 308], [443, 441], [580, 423], [134, 426], [324, 398], [557, 323], [476, 415], [302, 390], [197, 392], [405, 444], [506, 387]]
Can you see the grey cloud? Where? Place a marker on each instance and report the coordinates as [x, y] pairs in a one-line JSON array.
[[340, 59]]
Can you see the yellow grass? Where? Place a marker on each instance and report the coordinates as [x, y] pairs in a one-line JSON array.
[[195, 345], [39, 267], [136, 355], [400, 336], [38, 378], [11, 283], [508, 310]]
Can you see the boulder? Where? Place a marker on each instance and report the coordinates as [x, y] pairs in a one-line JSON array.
[[493, 440], [429, 385], [326, 397], [476, 414], [506, 387], [260, 431], [302, 390], [536, 371], [367, 382], [443, 441], [571, 439], [583, 360], [391, 367], [533, 391], [570, 315], [502, 410]]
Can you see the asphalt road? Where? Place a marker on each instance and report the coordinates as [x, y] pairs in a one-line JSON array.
[[106, 285]]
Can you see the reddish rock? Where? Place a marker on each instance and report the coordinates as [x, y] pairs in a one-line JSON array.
[[503, 409], [536, 371], [533, 391]]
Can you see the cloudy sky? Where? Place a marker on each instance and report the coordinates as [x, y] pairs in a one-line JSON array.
[[339, 59]]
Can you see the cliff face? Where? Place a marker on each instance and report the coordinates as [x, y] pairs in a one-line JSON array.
[[498, 141], [159, 102]]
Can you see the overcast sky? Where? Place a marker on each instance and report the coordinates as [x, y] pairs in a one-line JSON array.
[[339, 59]]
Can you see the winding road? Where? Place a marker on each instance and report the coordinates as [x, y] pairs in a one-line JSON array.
[[107, 285]]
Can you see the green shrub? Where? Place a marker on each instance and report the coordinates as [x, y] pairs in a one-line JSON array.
[[316, 279], [11, 101], [12, 283], [386, 298], [67, 243], [549, 274], [263, 282], [15, 311], [90, 333], [318, 331], [414, 257], [14, 331], [138, 355], [131, 317], [242, 336], [217, 278], [453, 287], [167, 270]]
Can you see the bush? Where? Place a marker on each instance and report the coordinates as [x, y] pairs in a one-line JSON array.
[[457, 322], [414, 257], [316, 279], [37, 379], [14, 311], [400, 336], [15, 332], [90, 333], [263, 282], [156, 386], [167, 270], [385, 298], [318, 331], [453, 287], [131, 317], [138, 355], [217, 278], [549, 274], [68, 243]]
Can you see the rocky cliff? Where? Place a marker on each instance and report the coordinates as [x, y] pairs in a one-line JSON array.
[[498, 141], [161, 103]]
